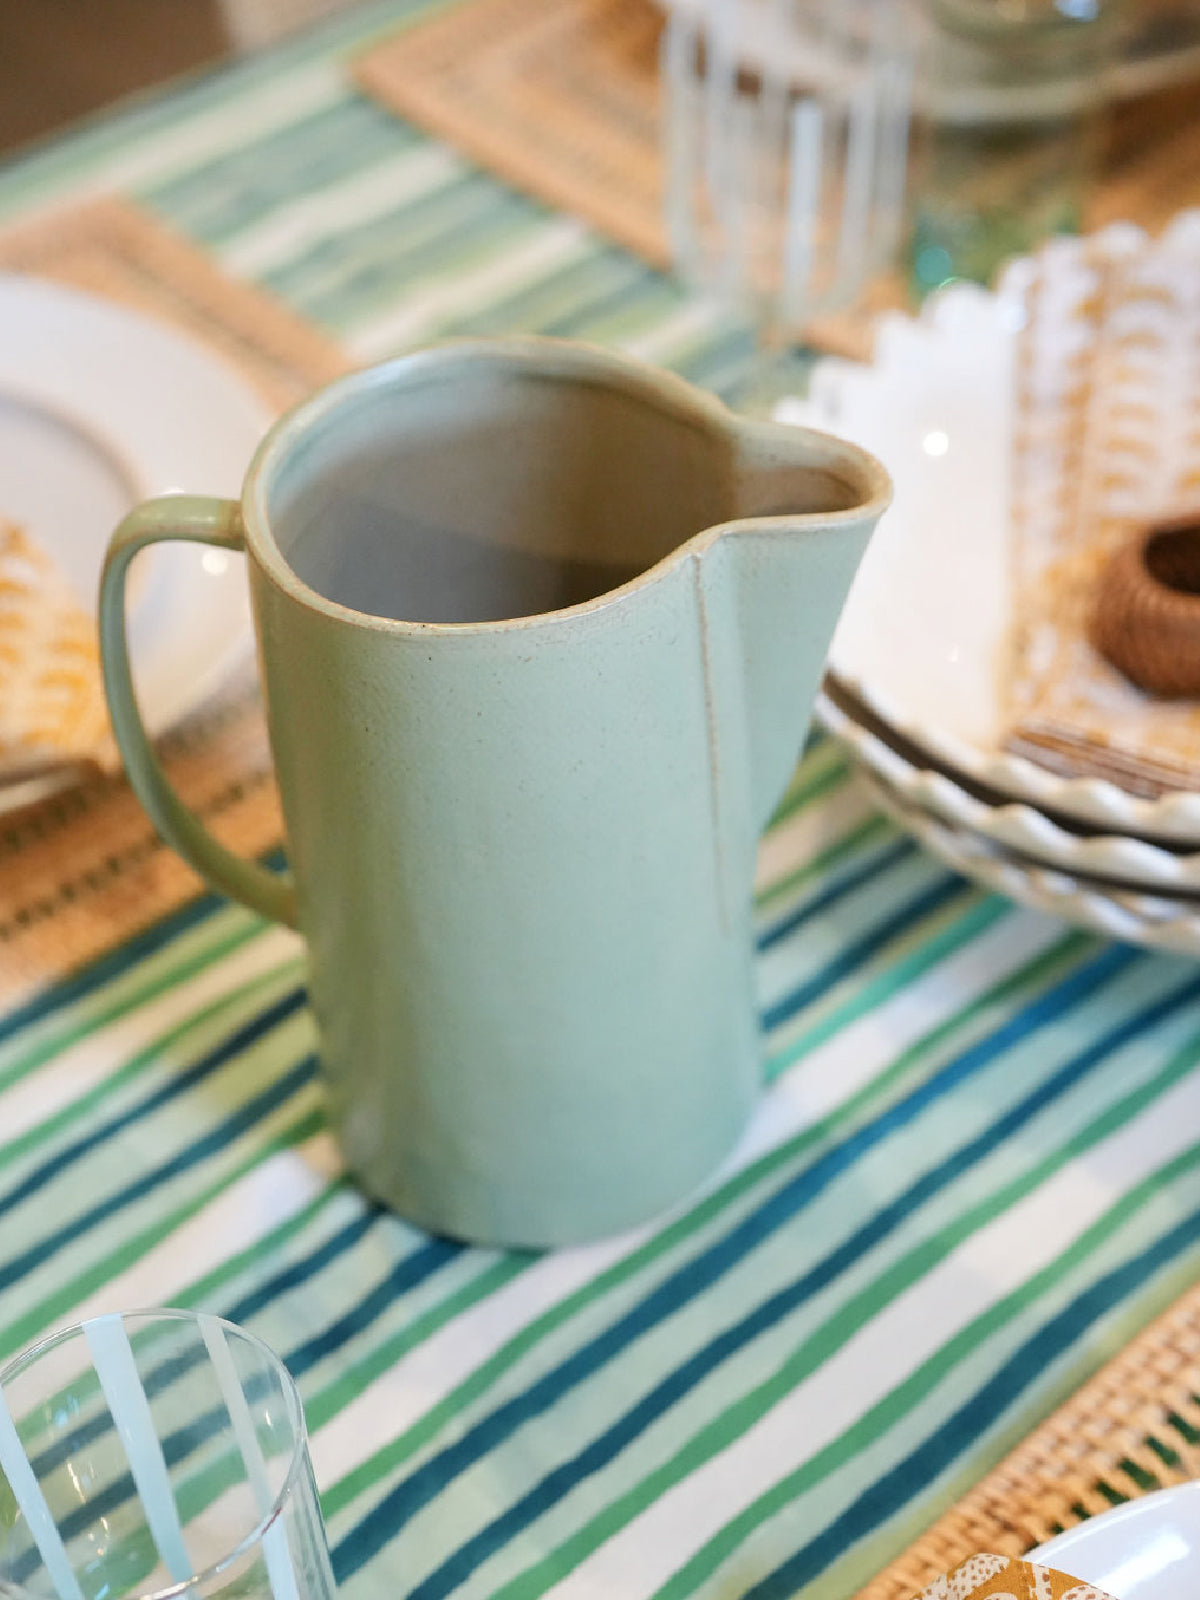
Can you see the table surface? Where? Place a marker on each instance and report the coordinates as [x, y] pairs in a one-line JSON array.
[[975, 1172]]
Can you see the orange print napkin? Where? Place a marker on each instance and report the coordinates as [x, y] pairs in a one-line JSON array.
[[988, 1577], [51, 696]]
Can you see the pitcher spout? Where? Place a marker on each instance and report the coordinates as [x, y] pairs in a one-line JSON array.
[[774, 581]]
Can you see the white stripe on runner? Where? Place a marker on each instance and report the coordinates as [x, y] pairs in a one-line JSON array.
[[252, 112], [673, 334], [292, 229], [812, 830], [401, 1395], [427, 307], [830, 1074], [37, 1096], [239, 1217], [997, 1259]]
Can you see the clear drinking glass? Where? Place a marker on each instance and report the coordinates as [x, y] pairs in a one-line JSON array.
[[786, 145], [152, 1454]]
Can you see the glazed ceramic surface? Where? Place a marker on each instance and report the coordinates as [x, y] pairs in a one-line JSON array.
[[540, 631]]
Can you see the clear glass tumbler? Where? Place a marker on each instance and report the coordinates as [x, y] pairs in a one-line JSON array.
[[785, 145], [152, 1454]]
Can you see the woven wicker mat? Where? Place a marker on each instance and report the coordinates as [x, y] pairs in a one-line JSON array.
[[1134, 1427], [563, 101], [85, 870]]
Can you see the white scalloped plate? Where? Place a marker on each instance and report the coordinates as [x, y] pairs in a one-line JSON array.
[[921, 639], [1147, 1549], [1132, 862], [1155, 920]]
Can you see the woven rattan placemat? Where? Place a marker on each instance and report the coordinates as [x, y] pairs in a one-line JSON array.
[[85, 870], [562, 101], [1132, 1428]]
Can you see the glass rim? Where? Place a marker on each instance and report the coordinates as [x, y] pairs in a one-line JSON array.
[[256, 1535]]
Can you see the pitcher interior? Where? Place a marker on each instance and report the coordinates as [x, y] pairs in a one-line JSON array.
[[477, 495]]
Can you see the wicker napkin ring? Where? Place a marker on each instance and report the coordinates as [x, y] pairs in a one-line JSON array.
[[1006, 1578], [1147, 616]]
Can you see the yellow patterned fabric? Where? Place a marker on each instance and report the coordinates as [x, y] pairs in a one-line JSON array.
[[986, 1577], [51, 695]]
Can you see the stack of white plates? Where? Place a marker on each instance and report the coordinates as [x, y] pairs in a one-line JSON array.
[[914, 685]]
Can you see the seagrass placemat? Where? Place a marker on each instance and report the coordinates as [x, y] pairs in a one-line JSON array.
[[1133, 1427], [563, 102], [84, 870]]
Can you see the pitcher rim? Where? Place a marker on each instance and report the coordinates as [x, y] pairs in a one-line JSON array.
[[551, 358]]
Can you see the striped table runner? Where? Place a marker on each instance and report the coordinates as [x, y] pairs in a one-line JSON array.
[[975, 1174]]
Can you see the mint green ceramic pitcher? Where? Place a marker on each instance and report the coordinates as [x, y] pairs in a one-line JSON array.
[[539, 629]]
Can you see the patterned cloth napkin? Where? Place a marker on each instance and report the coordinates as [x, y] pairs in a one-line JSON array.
[[989, 1577], [51, 695]]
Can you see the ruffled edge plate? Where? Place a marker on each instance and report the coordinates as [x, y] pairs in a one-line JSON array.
[[1119, 860], [1158, 921]]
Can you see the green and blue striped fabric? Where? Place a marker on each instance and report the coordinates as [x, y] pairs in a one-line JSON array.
[[975, 1173]]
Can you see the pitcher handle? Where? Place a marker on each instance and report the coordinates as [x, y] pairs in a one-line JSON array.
[[206, 521]]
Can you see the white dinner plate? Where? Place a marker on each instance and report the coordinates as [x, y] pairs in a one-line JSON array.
[[925, 632], [1148, 1549], [101, 408]]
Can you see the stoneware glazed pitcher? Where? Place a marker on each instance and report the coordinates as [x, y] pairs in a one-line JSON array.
[[539, 631]]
